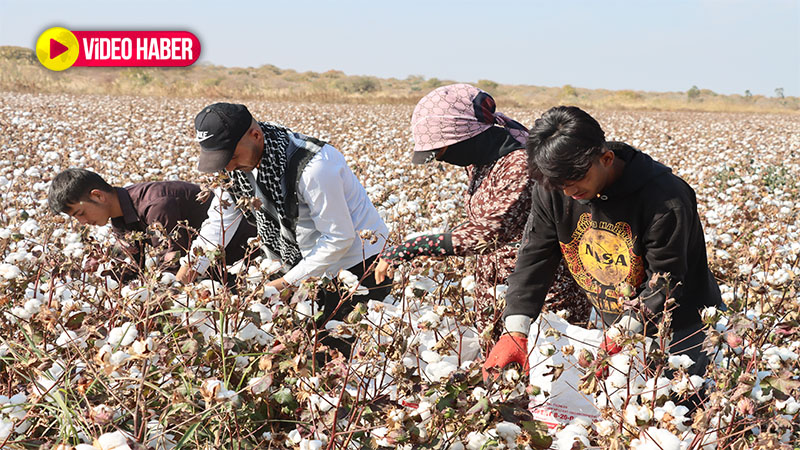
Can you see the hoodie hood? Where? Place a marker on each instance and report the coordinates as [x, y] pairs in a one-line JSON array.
[[640, 169]]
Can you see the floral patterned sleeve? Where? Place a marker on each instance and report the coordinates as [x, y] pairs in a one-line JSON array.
[[498, 209], [426, 245]]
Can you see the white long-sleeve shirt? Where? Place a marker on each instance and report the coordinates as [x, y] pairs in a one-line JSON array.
[[333, 208]]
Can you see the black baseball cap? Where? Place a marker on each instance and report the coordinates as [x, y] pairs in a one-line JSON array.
[[219, 128]]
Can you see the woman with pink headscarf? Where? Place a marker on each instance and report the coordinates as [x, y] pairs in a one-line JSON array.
[[458, 124]]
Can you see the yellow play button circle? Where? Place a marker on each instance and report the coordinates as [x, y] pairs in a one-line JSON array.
[[57, 49]]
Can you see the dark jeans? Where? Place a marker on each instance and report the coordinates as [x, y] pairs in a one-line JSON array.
[[334, 307]]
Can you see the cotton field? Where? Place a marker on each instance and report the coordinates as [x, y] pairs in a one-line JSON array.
[[87, 363]]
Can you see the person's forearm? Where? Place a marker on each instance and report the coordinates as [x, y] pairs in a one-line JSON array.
[[425, 245]]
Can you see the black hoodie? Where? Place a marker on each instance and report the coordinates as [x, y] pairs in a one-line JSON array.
[[645, 223]]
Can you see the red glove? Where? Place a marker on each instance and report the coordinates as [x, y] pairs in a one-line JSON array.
[[509, 349], [611, 348]]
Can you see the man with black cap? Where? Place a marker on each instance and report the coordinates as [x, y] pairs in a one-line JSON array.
[[311, 208]]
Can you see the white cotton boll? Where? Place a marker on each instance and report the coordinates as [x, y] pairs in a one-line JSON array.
[[294, 436], [478, 393], [635, 414], [242, 361], [112, 441], [303, 309], [30, 228], [788, 406], [150, 262], [18, 257], [122, 335], [605, 427], [136, 294], [687, 385], [678, 414], [143, 347], [758, 394], [680, 362], [257, 385], [508, 431], [269, 266], [547, 349], [430, 357], [264, 313], [248, 332], [167, 278], [566, 438], [254, 275], [118, 357], [311, 444], [269, 292], [32, 306], [70, 337], [661, 387], [468, 283], [423, 283], [656, 438], [9, 271], [237, 267], [424, 409], [616, 380], [83, 447], [347, 277], [476, 440], [511, 375], [323, 403], [430, 318], [74, 250], [211, 285], [637, 385], [6, 427], [440, 370], [775, 357]]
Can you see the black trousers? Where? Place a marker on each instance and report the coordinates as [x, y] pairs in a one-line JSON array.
[[337, 305]]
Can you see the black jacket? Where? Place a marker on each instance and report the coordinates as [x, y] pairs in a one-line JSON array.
[[645, 223]]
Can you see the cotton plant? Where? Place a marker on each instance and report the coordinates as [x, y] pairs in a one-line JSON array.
[[414, 378]]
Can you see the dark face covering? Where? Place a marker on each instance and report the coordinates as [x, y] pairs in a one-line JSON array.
[[485, 148]]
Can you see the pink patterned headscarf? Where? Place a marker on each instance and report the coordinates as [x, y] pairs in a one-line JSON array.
[[455, 113]]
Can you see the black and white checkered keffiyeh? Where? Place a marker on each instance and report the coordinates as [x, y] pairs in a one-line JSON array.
[[272, 227]]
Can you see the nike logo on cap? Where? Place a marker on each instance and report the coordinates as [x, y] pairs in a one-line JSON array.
[[203, 135]]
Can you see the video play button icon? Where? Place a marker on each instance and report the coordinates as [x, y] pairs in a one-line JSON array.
[[57, 49]]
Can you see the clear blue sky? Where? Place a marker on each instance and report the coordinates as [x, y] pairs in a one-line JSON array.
[[727, 46]]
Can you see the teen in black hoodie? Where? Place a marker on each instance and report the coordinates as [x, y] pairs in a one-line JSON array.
[[618, 217]]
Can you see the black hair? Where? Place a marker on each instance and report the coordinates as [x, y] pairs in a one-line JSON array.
[[72, 186], [562, 146]]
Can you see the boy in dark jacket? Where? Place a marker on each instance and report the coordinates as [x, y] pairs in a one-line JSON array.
[[618, 217], [174, 205]]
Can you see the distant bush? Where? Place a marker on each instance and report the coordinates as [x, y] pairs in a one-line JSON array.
[[333, 74], [271, 69], [139, 76], [415, 79], [627, 94], [213, 81], [358, 85], [17, 54], [568, 91], [693, 93], [433, 83], [487, 85]]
